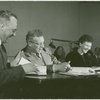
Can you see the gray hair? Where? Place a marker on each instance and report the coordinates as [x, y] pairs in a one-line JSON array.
[[33, 33], [7, 14]]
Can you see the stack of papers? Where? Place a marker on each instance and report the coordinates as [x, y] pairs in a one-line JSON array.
[[96, 69], [76, 71], [41, 70], [23, 61]]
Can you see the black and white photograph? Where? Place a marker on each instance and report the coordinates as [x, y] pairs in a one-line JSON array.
[[49, 49]]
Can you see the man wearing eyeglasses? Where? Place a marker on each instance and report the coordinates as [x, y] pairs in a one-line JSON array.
[[9, 75], [36, 53]]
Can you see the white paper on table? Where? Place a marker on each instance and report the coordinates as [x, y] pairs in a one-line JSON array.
[[42, 70], [23, 61], [78, 71], [97, 69]]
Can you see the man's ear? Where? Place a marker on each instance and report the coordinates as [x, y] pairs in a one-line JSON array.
[[80, 44], [29, 43], [3, 23], [3, 27]]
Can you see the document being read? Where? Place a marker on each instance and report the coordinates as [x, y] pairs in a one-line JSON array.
[[41, 69], [78, 71], [23, 61]]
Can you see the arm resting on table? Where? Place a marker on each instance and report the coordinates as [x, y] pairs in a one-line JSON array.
[[11, 75]]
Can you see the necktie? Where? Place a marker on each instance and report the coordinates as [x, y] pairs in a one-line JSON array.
[[38, 54]]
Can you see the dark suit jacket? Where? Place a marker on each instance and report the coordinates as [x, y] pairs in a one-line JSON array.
[[8, 75], [45, 59], [77, 60]]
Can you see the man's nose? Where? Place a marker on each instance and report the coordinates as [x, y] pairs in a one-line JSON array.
[[14, 34], [42, 45], [89, 48]]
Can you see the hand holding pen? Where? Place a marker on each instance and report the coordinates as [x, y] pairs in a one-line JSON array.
[[68, 66]]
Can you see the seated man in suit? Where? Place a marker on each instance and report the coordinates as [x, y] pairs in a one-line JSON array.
[[9, 77], [82, 56], [36, 53]]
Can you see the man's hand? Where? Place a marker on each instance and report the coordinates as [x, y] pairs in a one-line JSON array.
[[61, 67], [40, 70], [36, 69], [91, 70], [28, 67], [55, 61], [68, 66]]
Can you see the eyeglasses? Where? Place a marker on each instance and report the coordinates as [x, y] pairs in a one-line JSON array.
[[14, 30], [39, 44]]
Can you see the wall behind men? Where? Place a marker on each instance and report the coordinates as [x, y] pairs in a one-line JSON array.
[[61, 20], [90, 20], [56, 19]]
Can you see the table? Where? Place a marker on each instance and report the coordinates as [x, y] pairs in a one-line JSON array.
[[56, 86]]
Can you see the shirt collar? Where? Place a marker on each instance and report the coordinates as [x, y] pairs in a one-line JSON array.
[[28, 53], [0, 42]]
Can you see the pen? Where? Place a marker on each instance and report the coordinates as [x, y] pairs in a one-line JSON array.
[[68, 67]]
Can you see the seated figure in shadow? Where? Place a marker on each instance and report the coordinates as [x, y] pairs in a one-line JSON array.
[[59, 53], [38, 55], [82, 56], [97, 56]]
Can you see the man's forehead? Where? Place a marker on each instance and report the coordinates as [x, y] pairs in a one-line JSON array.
[[13, 22], [2, 20], [41, 38], [87, 43]]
